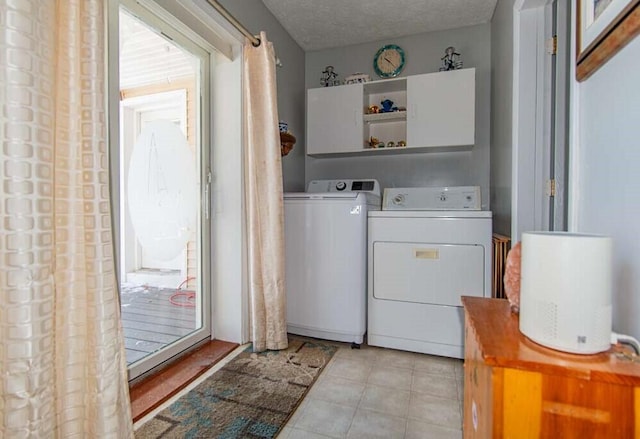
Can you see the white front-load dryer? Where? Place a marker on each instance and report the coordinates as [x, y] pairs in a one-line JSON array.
[[420, 263]]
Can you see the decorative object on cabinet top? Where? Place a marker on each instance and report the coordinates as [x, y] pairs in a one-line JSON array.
[[357, 78], [329, 77], [451, 60]]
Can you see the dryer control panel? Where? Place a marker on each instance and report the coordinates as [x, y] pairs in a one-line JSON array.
[[432, 198]]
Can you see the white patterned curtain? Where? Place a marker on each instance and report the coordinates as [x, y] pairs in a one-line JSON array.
[[263, 196], [62, 364]]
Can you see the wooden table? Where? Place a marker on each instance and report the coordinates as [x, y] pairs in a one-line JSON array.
[[515, 388]]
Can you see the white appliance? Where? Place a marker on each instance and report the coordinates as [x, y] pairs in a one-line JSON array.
[[565, 291], [426, 249], [326, 258]]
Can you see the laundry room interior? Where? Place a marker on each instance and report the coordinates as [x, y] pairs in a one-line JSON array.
[[417, 148], [322, 219], [330, 150], [501, 166]]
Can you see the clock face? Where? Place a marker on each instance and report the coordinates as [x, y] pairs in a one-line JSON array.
[[389, 61]]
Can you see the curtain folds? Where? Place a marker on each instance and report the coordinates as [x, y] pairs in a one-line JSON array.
[[263, 199], [62, 364]]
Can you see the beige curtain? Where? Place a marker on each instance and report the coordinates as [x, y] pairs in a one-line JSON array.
[[62, 365], [263, 198]]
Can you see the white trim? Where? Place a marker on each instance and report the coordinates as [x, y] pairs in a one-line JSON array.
[[542, 125], [515, 231], [522, 5], [563, 60], [530, 130], [573, 179], [202, 7], [548, 109], [229, 275], [207, 33], [524, 121], [113, 115]]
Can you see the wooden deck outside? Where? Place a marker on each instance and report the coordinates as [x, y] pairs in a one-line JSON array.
[[151, 321]]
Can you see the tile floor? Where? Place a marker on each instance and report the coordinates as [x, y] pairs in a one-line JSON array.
[[382, 393]]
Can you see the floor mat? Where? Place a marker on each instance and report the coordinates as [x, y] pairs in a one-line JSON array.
[[252, 396]]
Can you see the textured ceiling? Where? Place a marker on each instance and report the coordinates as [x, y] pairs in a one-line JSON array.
[[322, 24]]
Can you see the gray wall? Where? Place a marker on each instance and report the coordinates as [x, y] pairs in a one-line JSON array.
[[290, 81], [501, 110], [423, 52], [604, 183]]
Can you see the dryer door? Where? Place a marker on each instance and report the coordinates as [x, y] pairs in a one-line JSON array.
[[435, 274]]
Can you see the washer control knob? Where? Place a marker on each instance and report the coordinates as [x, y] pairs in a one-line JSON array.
[[341, 185], [443, 197], [398, 199]]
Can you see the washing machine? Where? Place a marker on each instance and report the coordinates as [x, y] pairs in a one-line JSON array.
[[326, 258], [427, 247]]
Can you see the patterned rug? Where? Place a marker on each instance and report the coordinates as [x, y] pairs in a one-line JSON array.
[[252, 396]]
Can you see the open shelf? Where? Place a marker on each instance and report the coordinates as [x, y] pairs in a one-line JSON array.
[[391, 116]]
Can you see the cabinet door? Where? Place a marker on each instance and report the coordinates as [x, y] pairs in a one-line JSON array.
[[334, 119], [441, 108]]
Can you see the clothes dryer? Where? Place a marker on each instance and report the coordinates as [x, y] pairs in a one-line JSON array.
[[426, 249]]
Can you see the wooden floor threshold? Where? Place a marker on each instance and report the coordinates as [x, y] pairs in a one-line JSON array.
[[156, 389]]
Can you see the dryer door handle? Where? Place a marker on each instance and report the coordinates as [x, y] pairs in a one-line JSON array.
[[426, 253]]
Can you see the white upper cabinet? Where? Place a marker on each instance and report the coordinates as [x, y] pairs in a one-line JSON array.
[[441, 109], [429, 111], [334, 119]]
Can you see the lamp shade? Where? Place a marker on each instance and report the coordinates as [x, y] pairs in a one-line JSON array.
[[565, 291]]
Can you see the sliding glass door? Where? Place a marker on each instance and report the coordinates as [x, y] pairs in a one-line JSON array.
[[162, 185]]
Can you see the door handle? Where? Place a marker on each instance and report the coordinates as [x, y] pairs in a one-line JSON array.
[[207, 197], [426, 253]]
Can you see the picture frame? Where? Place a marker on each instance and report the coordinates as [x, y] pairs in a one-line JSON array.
[[603, 27]]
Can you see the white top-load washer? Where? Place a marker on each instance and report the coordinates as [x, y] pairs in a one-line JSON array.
[[426, 248], [326, 258]]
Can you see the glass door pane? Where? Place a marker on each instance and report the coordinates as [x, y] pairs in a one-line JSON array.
[[163, 292]]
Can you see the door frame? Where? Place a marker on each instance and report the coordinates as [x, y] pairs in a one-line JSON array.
[[532, 130], [155, 16]]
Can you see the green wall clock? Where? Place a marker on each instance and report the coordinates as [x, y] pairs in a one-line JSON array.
[[389, 61]]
